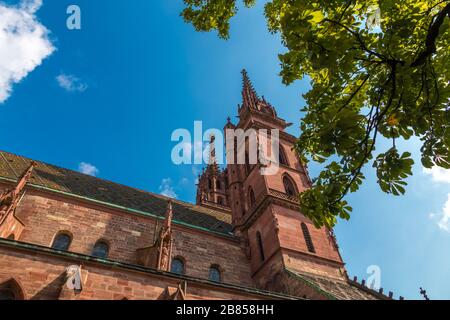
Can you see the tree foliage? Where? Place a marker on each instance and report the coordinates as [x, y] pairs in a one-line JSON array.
[[377, 69]]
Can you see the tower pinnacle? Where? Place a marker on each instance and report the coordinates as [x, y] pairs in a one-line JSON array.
[[249, 96]]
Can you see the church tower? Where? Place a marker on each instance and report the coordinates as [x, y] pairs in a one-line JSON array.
[[277, 238], [212, 186]]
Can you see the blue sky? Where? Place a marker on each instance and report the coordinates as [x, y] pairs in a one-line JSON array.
[[108, 97]]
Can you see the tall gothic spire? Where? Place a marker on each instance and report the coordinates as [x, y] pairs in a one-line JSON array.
[[249, 96]]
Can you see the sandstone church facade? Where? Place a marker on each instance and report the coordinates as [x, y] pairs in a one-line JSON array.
[[65, 235]]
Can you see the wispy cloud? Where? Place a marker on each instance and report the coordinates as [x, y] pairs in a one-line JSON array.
[[24, 43], [444, 216], [438, 174], [166, 188], [442, 176], [71, 83], [88, 169]]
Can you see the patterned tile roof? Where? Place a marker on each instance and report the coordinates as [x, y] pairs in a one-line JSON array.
[[337, 289], [72, 182]]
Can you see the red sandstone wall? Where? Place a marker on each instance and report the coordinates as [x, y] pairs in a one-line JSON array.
[[125, 232], [41, 278], [310, 264], [291, 235], [11, 227], [265, 225]]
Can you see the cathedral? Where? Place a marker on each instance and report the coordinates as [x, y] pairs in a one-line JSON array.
[[69, 236]]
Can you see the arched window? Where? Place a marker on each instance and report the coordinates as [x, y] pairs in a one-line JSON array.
[[251, 198], [220, 200], [210, 183], [218, 186], [11, 290], [289, 186], [11, 237], [283, 158], [177, 266], [7, 294], [260, 246], [214, 273], [62, 241], [101, 249], [308, 239]]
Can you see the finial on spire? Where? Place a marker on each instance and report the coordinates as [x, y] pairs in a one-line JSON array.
[[423, 292], [249, 97]]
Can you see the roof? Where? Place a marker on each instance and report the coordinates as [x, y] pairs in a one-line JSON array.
[[337, 289], [81, 185]]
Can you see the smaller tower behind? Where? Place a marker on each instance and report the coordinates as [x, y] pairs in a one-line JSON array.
[[212, 187]]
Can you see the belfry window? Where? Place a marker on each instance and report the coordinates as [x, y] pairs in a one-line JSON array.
[[218, 186], [260, 246], [177, 266], [308, 239], [283, 158], [62, 241], [289, 186], [214, 274], [101, 250]]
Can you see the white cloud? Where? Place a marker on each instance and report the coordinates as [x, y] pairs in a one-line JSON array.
[[438, 174], [166, 188], [444, 216], [24, 43], [71, 83], [88, 169], [441, 175], [184, 181], [31, 5]]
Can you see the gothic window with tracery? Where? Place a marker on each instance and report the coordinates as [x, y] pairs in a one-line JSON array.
[[283, 158], [289, 186]]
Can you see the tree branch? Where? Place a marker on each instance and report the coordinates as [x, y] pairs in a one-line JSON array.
[[433, 33]]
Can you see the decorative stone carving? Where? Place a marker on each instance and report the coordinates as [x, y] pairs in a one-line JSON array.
[[10, 198]]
